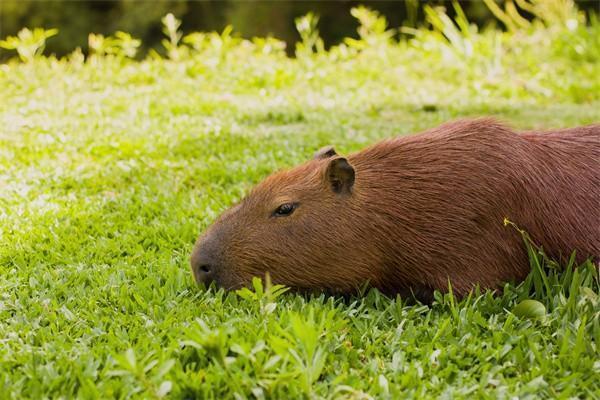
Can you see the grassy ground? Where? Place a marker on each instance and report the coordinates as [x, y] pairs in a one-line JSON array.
[[109, 169]]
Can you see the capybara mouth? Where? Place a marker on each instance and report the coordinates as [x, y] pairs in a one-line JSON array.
[[231, 287], [218, 281]]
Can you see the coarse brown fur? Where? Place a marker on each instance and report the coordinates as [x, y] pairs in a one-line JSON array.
[[420, 211]]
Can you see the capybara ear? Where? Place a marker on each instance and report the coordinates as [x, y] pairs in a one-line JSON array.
[[325, 152], [340, 175]]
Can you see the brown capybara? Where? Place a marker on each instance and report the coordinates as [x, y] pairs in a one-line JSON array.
[[412, 213]]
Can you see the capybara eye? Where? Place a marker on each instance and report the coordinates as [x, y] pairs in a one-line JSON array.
[[285, 209]]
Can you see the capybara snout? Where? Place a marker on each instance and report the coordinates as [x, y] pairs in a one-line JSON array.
[[205, 261], [410, 214], [208, 260]]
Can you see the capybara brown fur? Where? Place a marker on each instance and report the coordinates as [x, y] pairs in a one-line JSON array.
[[411, 214]]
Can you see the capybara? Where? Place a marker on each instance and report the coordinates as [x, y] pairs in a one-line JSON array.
[[411, 214]]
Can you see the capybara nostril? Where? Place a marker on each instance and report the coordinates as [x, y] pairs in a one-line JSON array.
[[204, 274], [205, 268]]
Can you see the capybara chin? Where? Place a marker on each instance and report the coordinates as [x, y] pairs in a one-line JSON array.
[[410, 214]]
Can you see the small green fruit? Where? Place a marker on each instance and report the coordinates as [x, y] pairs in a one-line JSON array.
[[531, 309]]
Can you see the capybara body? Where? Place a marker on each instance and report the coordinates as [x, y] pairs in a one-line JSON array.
[[413, 213]]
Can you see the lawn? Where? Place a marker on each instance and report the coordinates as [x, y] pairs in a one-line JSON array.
[[110, 167]]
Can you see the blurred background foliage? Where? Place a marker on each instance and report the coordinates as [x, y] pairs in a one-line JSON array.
[[142, 19]]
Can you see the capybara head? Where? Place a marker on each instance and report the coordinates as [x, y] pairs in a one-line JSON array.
[[297, 225]]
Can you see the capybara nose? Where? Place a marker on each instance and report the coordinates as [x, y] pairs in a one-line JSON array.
[[204, 264], [202, 268]]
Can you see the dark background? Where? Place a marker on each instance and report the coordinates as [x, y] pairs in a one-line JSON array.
[[75, 19]]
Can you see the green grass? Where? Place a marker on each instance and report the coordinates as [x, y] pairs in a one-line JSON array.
[[110, 168]]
